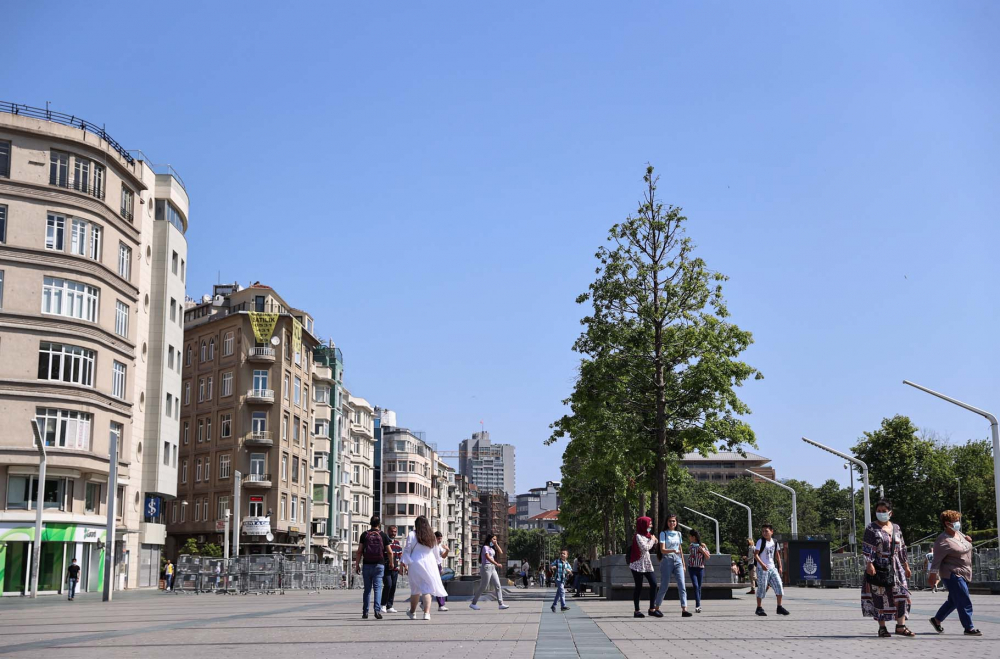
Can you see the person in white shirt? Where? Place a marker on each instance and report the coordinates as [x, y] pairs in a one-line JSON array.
[[420, 559], [768, 564], [672, 563], [488, 567]]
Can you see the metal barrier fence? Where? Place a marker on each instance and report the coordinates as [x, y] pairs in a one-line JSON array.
[[849, 568], [259, 574]]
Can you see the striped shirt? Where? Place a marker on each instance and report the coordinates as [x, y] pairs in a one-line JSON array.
[[397, 553], [696, 557]]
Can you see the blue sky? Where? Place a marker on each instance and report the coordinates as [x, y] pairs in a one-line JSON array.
[[432, 181]]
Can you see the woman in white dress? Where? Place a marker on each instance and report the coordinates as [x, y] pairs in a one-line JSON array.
[[420, 559]]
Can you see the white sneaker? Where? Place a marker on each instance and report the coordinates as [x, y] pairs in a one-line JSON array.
[[474, 607], [411, 615], [504, 606], [442, 608], [391, 610], [427, 616]]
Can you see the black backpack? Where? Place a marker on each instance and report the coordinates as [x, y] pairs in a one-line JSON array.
[[374, 546]]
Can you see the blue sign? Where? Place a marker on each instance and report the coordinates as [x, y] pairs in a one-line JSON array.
[[152, 507], [809, 564]]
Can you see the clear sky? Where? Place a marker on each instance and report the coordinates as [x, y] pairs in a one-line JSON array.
[[431, 181]]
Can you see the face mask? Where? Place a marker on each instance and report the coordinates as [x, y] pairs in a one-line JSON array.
[[882, 517], [956, 526]]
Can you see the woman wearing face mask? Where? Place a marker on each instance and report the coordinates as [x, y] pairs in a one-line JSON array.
[[884, 594], [953, 562], [641, 564]]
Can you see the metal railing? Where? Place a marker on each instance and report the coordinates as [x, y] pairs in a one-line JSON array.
[[849, 568], [266, 353], [263, 394], [259, 574], [79, 185], [66, 120], [256, 478]]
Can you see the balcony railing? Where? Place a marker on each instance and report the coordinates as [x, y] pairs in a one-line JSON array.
[[66, 120], [127, 214], [260, 395], [78, 185], [261, 354], [259, 438], [262, 480]]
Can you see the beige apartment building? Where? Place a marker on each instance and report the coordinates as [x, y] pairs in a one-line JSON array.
[[359, 464], [408, 470], [246, 406], [92, 269]]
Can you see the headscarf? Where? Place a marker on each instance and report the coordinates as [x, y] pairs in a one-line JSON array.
[[642, 526]]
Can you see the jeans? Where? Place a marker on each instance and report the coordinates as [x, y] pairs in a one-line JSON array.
[[524, 579], [697, 574], [672, 564], [170, 582], [389, 588], [373, 575], [637, 591], [488, 579], [72, 587], [958, 598], [560, 597]]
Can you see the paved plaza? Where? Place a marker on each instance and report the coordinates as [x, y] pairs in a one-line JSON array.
[[824, 623]]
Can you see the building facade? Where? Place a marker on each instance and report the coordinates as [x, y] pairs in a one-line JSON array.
[[92, 251], [328, 383], [409, 465], [361, 424], [247, 408], [537, 500], [724, 466], [490, 466], [493, 506]]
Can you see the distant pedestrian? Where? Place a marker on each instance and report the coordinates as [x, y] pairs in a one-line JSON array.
[[218, 575], [953, 562], [73, 577], [168, 572], [540, 577], [488, 572], [697, 555], [930, 561], [885, 594], [750, 565], [372, 557], [736, 572], [671, 563], [525, 571], [641, 564], [561, 570], [420, 559], [441, 553], [585, 575], [768, 564], [391, 577]]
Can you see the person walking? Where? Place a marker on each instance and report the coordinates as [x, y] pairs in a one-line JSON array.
[[768, 567], [561, 570], [750, 565], [441, 553], [585, 575], [525, 571], [697, 556], [930, 561], [885, 594], [168, 572], [218, 575], [73, 578], [420, 558], [953, 562], [671, 563], [488, 572], [372, 557], [392, 571], [641, 564]]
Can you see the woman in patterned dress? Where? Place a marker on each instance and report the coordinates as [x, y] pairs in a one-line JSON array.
[[641, 564], [880, 603]]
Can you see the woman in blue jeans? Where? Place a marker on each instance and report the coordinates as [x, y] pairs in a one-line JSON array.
[[697, 555], [953, 562], [672, 563]]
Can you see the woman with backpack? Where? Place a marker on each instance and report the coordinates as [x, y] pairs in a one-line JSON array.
[[420, 559], [641, 564], [884, 593]]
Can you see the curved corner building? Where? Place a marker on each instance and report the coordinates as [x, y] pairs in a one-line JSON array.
[[92, 269]]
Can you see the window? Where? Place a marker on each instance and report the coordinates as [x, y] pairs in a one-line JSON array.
[[92, 499], [204, 351], [184, 471], [99, 181], [357, 504], [81, 174], [283, 507], [295, 508], [201, 389], [322, 394], [62, 297], [1, 289], [78, 238], [173, 263], [258, 423], [226, 422], [257, 464], [3, 222], [59, 169], [287, 387], [128, 201], [197, 510], [183, 511], [259, 380], [204, 508], [208, 430], [284, 428], [197, 470], [221, 508], [208, 389], [390, 488], [211, 350], [118, 380], [187, 393], [228, 341], [166, 454], [66, 363], [322, 428], [173, 310], [121, 319], [64, 428], [22, 491], [95, 242], [165, 211], [224, 465], [170, 404], [4, 158], [227, 384], [357, 475], [55, 229], [295, 470], [284, 467], [201, 430], [295, 432], [297, 392], [208, 470], [256, 507], [182, 269], [170, 357], [187, 433], [187, 358]]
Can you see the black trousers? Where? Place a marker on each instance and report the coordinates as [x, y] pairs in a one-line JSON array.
[[389, 588], [637, 591]]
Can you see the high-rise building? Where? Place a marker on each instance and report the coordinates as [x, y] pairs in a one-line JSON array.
[[246, 406], [489, 466], [92, 268]]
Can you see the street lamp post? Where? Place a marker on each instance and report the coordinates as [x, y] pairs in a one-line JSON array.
[[109, 541], [39, 506], [958, 479], [841, 520], [795, 508], [717, 551], [854, 511], [864, 475], [994, 430], [749, 513]]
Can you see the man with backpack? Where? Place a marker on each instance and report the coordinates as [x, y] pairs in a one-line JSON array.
[[372, 558]]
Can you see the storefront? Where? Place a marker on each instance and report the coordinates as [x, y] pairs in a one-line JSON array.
[[61, 543]]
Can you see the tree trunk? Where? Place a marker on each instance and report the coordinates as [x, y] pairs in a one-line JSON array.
[[656, 510], [629, 524], [607, 531], [642, 503]]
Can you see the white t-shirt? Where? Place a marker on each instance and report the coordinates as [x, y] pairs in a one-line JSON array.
[[766, 553], [487, 551]]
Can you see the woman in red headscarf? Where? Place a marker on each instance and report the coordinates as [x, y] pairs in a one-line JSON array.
[[641, 564]]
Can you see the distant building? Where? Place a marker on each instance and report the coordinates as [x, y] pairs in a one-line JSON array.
[[547, 521], [725, 466], [493, 508], [536, 501], [488, 466], [512, 517]]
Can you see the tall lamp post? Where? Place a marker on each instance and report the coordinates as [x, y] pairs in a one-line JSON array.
[[717, 550], [864, 475], [854, 511], [958, 479], [743, 505], [795, 508], [841, 520], [994, 430], [39, 506]]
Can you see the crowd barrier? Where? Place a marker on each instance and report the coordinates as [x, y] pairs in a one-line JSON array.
[[259, 574], [849, 568]]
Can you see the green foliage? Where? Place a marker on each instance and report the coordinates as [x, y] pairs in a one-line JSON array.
[[535, 546], [191, 547], [212, 550]]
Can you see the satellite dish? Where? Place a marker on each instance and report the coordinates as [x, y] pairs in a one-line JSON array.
[[275, 340], [269, 536]]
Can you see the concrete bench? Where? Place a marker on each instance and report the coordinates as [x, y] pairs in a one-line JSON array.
[[709, 591]]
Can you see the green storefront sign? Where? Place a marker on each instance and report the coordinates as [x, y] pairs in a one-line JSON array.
[[15, 554]]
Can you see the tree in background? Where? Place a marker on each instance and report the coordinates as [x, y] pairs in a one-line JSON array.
[[212, 550], [191, 547], [534, 545]]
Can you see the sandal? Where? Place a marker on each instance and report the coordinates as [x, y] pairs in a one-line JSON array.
[[903, 630], [884, 633]]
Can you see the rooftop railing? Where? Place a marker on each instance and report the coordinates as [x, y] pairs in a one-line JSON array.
[[66, 120]]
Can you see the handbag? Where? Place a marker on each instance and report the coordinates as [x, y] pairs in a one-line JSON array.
[[885, 577]]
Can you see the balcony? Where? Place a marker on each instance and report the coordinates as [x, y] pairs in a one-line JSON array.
[[259, 438], [261, 355], [260, 396], [257, 480], [80, 185]]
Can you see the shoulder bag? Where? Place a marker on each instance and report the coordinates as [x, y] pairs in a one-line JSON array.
[[885, 577]]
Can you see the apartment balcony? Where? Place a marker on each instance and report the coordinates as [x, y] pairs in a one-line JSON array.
[[321, 476], [80, 185], [262, 481], [259, 438], [260, 396], [266, 355]]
